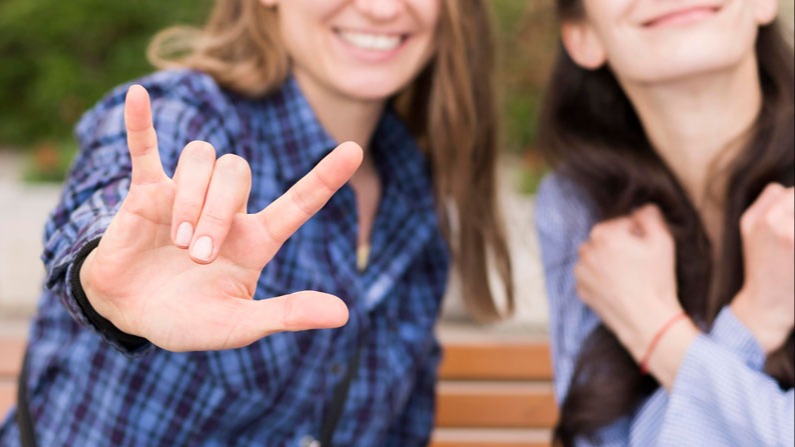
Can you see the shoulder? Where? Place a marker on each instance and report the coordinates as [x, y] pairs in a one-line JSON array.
[[177, 96], [563, 207]]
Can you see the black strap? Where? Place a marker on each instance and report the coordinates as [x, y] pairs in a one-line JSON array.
[[337, 405], [104, 326], [25, 423]]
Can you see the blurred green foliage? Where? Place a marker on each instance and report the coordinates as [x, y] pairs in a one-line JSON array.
[[528, 40], [59, 57]]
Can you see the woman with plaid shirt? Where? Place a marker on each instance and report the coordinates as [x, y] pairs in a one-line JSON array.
[[186, 211]]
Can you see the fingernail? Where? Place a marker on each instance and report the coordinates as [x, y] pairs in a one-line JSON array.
[[184, 234], [202, 249]]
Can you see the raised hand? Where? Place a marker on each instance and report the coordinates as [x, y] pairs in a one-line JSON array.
[[766, 303], [180, 262], [626, 274]]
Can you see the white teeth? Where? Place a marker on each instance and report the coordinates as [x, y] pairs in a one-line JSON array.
[[377, 42]]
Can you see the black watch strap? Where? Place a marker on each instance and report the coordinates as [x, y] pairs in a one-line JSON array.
[[103, 325]]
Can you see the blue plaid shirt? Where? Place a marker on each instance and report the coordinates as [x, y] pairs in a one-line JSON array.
[[86, 390], [721, 396]]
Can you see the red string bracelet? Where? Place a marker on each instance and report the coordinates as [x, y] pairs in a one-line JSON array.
[[644, 363]]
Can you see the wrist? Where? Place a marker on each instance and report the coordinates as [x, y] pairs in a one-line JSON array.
[[87, 282], [769, 328], [658, 335], [670, 351], [80, 282], [93, 302], [647, 326]]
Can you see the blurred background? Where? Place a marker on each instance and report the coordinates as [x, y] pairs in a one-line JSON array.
[[57, 58], [52, 72]]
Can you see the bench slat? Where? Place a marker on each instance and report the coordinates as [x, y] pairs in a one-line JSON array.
[[11, 351], [445, 437], [496, 361], [8, 396], [496, 405]]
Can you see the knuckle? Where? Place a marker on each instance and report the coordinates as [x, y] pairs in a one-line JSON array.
[[771, 219], [199, 151], [235, 167], [188, 206], [598, 230], [746, 224], [583, 251], [288, 317], [214, 219], [770, 189], [269, 233], [302, 202], [324, 182], [233, 162]]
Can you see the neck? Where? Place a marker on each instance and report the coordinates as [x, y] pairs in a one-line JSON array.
[[698, 124], [344, 118]]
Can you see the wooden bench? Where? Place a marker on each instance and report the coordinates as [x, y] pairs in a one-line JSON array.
[[492, 393], [495, 392], [11, 352]]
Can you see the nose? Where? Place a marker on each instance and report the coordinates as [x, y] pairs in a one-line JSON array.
[[381, 10]]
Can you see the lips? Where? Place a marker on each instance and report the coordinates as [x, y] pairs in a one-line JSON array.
[[682, 16], [371, 41]]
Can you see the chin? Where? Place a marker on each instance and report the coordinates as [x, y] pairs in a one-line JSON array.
[[679, 63], [371, 88], [691, 52]]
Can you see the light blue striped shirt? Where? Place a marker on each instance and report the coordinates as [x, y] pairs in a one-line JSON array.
[[721, 395]]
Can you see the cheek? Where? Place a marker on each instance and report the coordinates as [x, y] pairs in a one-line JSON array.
[[302, 28], [428, 13], [606, 14]]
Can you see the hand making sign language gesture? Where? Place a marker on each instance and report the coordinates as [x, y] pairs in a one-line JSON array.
[[180, 261]]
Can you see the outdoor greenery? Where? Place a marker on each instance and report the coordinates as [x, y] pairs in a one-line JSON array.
[[60, 57]]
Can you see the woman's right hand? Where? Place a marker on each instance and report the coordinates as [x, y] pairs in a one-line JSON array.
[[766, 302], [179, 263]]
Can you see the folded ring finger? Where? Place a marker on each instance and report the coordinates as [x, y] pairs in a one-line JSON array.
[[192, 177]]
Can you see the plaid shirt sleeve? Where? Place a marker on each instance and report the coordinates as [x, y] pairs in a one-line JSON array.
[[720, 397], [99, 181], [414, 426]]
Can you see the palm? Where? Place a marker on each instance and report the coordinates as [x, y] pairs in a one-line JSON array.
[[148, 285]]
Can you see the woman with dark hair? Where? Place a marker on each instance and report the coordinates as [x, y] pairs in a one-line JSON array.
[[667, 227]]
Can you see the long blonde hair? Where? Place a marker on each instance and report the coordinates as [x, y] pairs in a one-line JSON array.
[[450, 108]]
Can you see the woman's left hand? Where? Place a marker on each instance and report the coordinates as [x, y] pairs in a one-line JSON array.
[[626, 274]]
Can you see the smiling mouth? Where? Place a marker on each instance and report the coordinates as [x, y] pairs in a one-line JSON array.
[[682, 17], [371, 41]]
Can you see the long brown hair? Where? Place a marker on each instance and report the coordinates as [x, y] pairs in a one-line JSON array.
[[450, 108], [609, 156]]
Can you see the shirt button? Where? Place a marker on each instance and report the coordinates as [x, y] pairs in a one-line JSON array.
[[309, 441]]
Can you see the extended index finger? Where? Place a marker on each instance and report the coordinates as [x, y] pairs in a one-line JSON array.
[[141, 137], [284, 216]]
